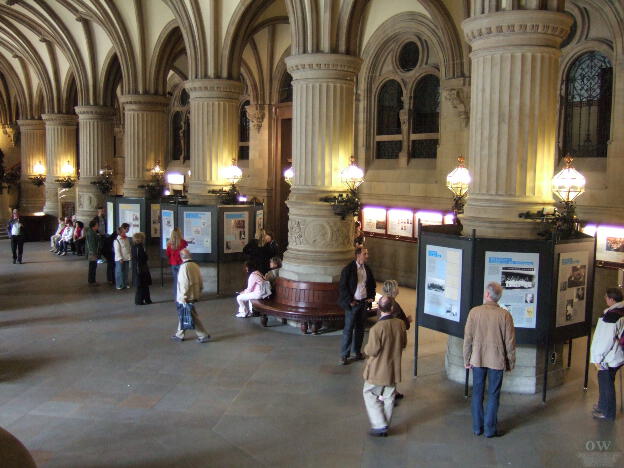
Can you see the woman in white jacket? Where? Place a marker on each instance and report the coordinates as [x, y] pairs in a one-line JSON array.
[[123, 253], [607, 354], [253, 291]]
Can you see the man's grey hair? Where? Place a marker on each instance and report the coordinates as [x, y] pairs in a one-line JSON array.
[[185, 254], [495, 290], [385, 304]]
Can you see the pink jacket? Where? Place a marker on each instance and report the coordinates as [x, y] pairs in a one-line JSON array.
[[253, 282]]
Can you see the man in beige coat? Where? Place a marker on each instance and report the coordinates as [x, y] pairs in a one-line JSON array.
[[190, 287], [489, 350], [386, 341]]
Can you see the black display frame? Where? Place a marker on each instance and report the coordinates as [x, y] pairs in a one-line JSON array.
[[466, 245], [251, 212], [142, 202], [213, 256]]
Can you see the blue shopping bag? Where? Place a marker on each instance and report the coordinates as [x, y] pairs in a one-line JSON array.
[[185, 316]]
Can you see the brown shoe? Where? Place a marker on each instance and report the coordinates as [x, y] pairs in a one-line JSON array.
[[359, 357]]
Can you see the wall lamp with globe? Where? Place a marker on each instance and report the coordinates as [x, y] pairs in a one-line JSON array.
[[458, 181], [343, 204], [39, 175]]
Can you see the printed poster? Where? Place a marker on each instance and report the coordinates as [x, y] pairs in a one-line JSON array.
[[197, 231], [374, 220], [130, 213], [610, 244], [517, 273], [110, 217], [155, 219], [235, 231], [167, 226], [443, 269], [401, 223], [572, 287], [259, 220]]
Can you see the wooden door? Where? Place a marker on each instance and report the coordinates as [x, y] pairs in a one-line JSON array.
[[282, 161]]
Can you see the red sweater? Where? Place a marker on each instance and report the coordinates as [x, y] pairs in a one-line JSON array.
[[174, 254]]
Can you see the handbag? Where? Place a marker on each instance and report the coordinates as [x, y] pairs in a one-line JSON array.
[[185, 316]]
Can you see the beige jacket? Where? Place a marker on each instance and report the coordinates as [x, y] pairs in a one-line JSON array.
[[490, 338], [386, 340], [190, 283]]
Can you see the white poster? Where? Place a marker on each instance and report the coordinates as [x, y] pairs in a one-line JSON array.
[[572, 287], [155, 218], [443, 269], [259, 221], [517, 273], [374, 219], [610, 244], [167, 226], [400, 223], [235, 231], [110, 217], [130, 213], [198, 231]]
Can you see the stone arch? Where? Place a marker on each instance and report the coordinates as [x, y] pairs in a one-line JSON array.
[[237, 34], [14, 83], [278, 74], [193, 36], [169, 47], [70, 93], [110, 77]]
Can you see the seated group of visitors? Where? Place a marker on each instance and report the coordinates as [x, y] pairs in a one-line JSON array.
[[69, 237]]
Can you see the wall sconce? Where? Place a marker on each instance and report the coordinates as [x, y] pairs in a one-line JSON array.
[[232, 173], [156, 171], [67, 178], [39, 176], [567, 185], [343, 204], [458, 182], [105, 182], [289, 175]]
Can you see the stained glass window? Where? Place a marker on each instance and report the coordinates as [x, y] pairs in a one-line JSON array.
[[389, 104], [425, 122], [408, 56], [588, 106]]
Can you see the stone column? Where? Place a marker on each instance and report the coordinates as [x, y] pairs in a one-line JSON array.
[[145, 139], [319, 242], [214, 134], [95, 127], [60, 148], [33, 151], [513, 117]]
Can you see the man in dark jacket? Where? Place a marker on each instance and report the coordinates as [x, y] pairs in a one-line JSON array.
[[15, 230], [356, 293], [93, 246]]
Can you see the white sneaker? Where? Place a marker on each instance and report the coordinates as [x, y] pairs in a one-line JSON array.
[[241, 315]]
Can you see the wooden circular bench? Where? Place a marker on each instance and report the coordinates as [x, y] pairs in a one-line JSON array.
[[308, 303]]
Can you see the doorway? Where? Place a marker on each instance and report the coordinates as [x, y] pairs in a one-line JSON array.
[[282, 161]]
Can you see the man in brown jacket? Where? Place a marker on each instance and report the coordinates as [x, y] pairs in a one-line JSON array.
[[489, 350], [386, 341]]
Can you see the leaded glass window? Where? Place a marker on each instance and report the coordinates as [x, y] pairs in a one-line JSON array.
[[408, 56], [388, 135], [425, 122], [243, 140], [588, 106]]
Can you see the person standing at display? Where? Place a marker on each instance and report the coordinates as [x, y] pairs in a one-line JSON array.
[[140, 270], [15, 230], [121, 247], [93, 246], [358, 236], [607, 354], [175, 245], [101, 219], [386, 341], [189, 289], [489, 350], [356, 294]]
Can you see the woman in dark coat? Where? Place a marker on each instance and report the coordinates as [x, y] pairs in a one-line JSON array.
[[140, 270]]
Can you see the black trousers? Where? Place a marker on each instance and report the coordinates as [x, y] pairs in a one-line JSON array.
[[92, 269], [141, 295], [110, 270], [606, 388], [353, 331], [17, 247]]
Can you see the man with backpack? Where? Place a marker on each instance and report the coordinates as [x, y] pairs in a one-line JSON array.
[[607, 353]]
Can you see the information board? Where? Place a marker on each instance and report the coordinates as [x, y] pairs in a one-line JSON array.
[[155, 220], [235, 231], [167, 221], [259, 220], [400, 223], [443, 282], [110, 217], [374, 220], [517, 273], [130, 213], [197, 231]]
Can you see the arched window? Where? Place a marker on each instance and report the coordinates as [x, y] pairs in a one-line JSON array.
[[286, 91], [587, 118], [388, 141], [425, 128], [243, 139]]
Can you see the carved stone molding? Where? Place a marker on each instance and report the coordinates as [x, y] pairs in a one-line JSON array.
[[60, 120], [214, 89], [256, 114], [144, 102], [12, 132], [95, 112], [336, 66], [459, 100]]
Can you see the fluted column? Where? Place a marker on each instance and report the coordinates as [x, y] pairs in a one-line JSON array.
[[60, 147], [319, 242], [145, 138], [513, 116], [33, 151], [95, 127], [214, 133]]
